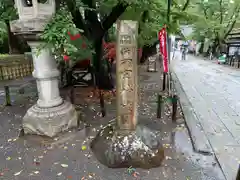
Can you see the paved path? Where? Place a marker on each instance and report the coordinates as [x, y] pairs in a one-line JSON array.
[[213, 91]]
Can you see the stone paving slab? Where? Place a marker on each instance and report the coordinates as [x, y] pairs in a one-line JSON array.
[[214, 94], [199, 139]]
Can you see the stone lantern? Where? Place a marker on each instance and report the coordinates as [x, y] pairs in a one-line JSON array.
[[51, 114]]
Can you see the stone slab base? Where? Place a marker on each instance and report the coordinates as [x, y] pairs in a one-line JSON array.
[[50, 121], [198, 137], [121, 149]]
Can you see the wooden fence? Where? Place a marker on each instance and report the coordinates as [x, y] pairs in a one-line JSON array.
[[15, 66]]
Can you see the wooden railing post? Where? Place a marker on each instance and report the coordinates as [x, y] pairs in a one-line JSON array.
[[7, 96], [159, 106], [174, 107]]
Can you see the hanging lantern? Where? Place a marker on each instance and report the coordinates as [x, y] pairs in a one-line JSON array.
[[152, 64]]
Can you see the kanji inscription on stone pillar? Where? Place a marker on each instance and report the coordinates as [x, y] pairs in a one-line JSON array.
[[127, 95]]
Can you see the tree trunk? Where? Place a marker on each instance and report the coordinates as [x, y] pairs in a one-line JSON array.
[[102, 76], [95, 31], [13, 42], [77, 18], [106, 37], [148, 51]]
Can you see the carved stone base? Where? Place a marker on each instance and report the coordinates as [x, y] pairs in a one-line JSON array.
[[122, 149], [50, 121]]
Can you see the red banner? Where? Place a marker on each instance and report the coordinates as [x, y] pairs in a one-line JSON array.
[[162, 36]]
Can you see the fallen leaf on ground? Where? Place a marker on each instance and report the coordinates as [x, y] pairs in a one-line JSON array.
[[18, 173], [84, 148], [64, 165]]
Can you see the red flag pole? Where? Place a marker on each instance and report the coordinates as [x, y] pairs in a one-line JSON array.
[[164, 51], [168, 63]]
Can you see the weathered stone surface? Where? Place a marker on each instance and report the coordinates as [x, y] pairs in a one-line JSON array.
[[127, 88], [50, 121], [30, 25], [120, 148]]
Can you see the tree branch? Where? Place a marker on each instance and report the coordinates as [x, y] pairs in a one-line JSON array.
[[176, 4], [99, 28], [116, 12], [91, 14], [231, 24], [205, 12], [230, 29], [77, 17], [92, 23], [185, 5], [221, 11]]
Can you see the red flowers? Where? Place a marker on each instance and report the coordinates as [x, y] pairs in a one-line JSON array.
[[110, 50], [66, 58], [74, 37]]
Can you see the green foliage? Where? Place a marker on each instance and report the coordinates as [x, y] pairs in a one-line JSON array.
[[7, 10], [215, 18], [56, 36], [3, 32], [157, 17], [7, 13], [82, 48], [55, 33]]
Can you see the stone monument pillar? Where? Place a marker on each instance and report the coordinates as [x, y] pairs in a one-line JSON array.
[[51, 114], [127, 85], [124, 144]]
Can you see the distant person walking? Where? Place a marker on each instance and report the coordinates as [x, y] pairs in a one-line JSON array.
[[198, 46], [184, 47], [175, 47]]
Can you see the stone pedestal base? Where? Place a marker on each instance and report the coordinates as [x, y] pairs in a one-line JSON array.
[[50, 121], [121, 149]]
